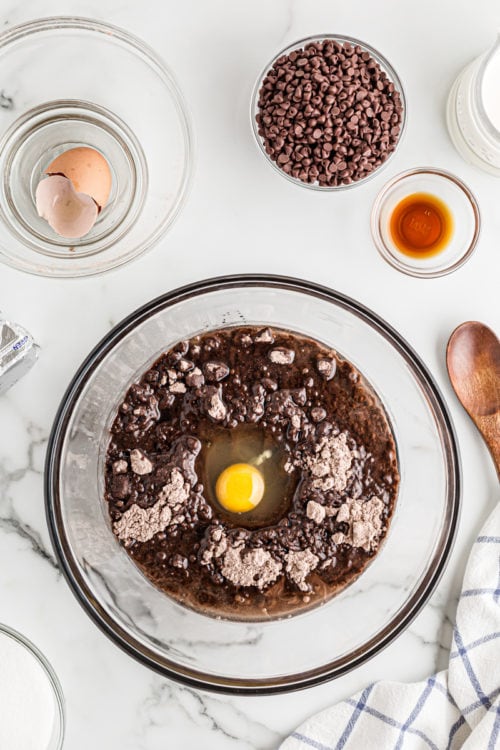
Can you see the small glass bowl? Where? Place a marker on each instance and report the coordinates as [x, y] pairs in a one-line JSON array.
[[384, 65], [57, 736], [463, 208], [77, 82]]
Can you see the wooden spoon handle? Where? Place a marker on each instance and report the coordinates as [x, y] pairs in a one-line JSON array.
[[489, 426]]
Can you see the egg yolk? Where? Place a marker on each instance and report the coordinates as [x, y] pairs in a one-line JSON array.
[[240, 488]]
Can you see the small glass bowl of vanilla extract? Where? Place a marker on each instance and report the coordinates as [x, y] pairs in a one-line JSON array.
[[425, 222]]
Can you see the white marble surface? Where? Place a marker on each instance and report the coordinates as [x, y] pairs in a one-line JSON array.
[[242, 217]]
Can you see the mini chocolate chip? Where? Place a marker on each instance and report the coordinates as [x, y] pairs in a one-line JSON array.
[[318, 414], [181, 348], [270, 385], [299, 395], [166, 401], [120, 486], [178, 561]]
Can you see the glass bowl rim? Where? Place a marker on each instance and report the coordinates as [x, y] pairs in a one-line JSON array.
[[192, 677], [385, 64], [154, 60], [49, 672], [399, 264]]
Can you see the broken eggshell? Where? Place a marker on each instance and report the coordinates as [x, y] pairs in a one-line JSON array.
[[70, 214], [87, 169], [77, 187]]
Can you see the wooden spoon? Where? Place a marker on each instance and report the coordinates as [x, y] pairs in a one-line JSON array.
[[473, 361]]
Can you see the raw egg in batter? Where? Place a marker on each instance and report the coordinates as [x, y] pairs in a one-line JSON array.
[[240, 488], [263, 460]]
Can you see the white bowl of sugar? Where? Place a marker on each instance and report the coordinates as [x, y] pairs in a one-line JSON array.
[[31, 700]]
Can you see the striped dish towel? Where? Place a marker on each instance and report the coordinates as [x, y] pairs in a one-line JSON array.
[[456, 708]]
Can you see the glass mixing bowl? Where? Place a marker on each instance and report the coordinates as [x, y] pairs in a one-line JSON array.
[[279, 655], [70, 82]]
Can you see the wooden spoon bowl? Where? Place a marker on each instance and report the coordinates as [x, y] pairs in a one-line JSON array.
[[473, 362]]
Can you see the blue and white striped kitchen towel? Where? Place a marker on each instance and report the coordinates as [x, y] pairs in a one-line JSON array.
[[456, 708]]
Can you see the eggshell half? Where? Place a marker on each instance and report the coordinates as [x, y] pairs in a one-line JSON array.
[[70, 214], [87, 169]]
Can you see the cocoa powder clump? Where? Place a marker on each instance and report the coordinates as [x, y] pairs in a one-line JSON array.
[[142, 524], [140, 463], [250, 567], [315, 511], [298, 566], [330, 463], [365, 523]]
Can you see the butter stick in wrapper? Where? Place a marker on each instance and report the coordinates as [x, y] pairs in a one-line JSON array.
[[18, 353]]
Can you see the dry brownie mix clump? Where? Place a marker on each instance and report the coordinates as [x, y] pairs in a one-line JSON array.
[[334, 461], [328, 114]]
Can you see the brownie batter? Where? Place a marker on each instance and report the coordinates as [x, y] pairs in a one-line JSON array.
[[318, 434]]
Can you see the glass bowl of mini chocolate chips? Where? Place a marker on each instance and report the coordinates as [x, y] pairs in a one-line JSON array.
[[328, 112]]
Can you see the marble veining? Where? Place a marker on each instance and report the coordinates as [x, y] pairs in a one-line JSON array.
[[11, 521], [219, 716]]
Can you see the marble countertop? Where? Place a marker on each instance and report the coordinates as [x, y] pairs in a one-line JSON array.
[[242, 217]]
